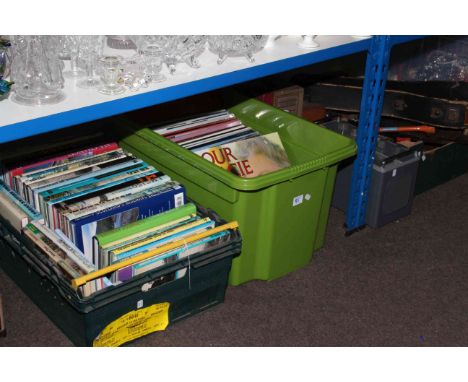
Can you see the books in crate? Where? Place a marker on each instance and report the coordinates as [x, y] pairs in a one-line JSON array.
[[98, 214]]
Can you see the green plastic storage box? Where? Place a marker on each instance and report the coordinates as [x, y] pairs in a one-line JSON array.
[[282, 215]]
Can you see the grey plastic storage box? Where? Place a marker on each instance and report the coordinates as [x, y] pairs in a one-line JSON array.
[[392, 184]]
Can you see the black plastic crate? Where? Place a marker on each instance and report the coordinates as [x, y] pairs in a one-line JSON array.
[[83, 319], [441, 164]]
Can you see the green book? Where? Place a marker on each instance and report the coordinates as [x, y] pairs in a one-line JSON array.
[[140, 225]]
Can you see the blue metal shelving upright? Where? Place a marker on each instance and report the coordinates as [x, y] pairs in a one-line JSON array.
[[368, 129], [375, 79]]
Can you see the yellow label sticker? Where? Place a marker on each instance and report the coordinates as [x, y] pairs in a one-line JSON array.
[[134, 324]]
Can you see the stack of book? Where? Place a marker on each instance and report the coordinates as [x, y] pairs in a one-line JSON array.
[[98, 207], [225, 141], [206, 130]]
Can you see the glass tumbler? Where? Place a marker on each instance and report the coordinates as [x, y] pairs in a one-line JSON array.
[[153, 60], [90, 49], [73, 46], [110, 75]]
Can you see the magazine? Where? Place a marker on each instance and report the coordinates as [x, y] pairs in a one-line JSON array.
[[249, 158]]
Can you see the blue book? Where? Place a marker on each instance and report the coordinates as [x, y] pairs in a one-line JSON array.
[[84, 229]]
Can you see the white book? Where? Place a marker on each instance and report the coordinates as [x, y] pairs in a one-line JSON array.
[[13, 213], [76, 255]]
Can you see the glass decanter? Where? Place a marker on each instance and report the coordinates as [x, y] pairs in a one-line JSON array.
[[36, 71]]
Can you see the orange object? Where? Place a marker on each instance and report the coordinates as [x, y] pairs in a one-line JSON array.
[[421, 129], [312, 113]]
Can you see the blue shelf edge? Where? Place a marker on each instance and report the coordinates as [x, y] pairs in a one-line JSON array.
[[58, 121], [401, 39]]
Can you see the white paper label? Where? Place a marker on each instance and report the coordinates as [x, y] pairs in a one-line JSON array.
[[179, 199], [298, 200], [394, 172], [140, 304]]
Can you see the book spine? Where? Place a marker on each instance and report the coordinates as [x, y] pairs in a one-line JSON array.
[[14, 197], [112, 200], [54, 253], [76, 256], [179, 253], [145, 256], [160, 241], [12, 213], [146, 207], [91, 151], [103, 253], [160, 234], [37, 175], [79, 192], [132, 173], [94, 176], [162, 218]]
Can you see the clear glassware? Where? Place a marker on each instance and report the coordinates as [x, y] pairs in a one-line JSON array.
[[36, 71], [438, 66], [153, 60], [190, 47], [110, 69], [176, 49], [236, 46], [63, 49], [120, 42], [91, 47], [166, 44], [73, 44], [463, 64], [4, 62], [184, 48], [308, 42], [133, 74]]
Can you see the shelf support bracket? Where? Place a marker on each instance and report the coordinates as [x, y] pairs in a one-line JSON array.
[[369, 121]]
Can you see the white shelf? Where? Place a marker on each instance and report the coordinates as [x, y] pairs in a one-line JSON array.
[[18, 121]]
